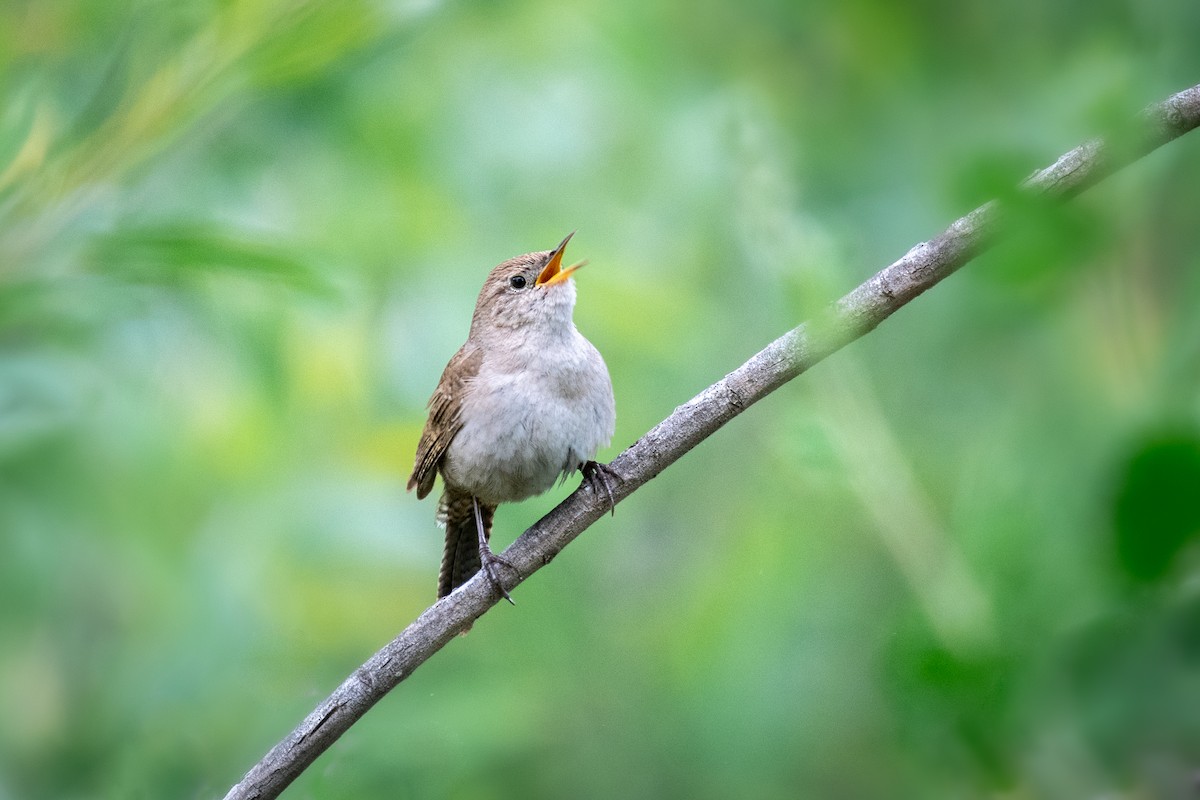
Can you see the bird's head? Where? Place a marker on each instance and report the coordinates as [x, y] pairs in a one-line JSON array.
[[533, 292]]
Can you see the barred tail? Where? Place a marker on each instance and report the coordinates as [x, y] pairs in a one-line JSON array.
[[460, 560]]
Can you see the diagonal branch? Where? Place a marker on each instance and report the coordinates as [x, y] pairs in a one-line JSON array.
[[854, 315]]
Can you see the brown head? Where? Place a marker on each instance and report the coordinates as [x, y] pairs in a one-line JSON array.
[[530, 290]]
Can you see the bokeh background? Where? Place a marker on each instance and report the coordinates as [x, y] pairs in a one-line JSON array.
[[239, 239]]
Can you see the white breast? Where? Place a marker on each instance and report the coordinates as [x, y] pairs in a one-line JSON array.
[[531, 415]]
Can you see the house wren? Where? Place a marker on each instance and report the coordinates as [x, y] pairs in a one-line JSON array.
[[526, 400]]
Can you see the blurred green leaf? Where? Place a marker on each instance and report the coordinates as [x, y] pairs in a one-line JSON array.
[[171, 254], [1156, 512], [956, 707]]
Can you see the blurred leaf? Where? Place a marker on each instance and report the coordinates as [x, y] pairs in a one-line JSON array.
[[176, 253], [37, 400], [311, 38], [955, 707], [1044, 246], [1156, 511], [991, 175]]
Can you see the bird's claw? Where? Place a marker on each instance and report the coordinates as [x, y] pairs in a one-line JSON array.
[[489, 561], [597, 476]]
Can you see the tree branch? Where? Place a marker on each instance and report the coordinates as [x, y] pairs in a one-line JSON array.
[[854, 315]]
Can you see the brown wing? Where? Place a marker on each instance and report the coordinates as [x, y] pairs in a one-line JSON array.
[[444, 417]]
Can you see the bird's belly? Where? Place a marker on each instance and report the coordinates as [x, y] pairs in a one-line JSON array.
[[518, 438]]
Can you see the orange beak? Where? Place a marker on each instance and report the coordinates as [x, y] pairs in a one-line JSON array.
[[554, 272]]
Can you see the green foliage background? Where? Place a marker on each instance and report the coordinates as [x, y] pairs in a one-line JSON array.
[[240, 238]]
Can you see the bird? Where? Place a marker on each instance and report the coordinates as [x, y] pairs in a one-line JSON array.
[[525, 402]]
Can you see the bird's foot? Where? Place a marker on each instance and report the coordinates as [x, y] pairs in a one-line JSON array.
[[490, 561], [600, 476], [487, 559]]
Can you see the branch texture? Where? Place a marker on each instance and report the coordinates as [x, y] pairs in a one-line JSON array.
[[854, 315]]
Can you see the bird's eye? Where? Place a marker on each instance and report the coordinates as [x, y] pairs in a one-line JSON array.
[[517, 281]]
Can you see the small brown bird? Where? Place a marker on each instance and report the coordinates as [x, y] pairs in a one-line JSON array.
[[526, 400]]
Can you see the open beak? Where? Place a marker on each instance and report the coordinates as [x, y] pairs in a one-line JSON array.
[[554, 271]]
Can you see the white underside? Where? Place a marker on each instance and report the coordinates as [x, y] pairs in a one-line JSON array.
[[531, 415]]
